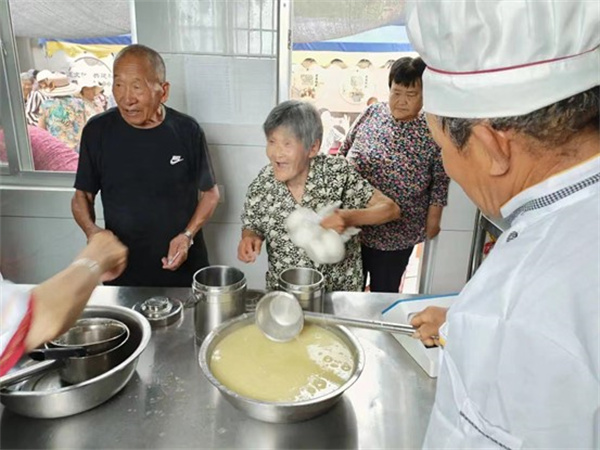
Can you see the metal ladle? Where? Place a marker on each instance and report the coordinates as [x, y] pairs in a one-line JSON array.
[[281, 318]]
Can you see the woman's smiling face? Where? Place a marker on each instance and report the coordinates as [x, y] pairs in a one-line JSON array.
[[288, 157]]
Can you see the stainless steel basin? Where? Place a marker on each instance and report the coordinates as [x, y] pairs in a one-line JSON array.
[[278, 412], [46, 396]]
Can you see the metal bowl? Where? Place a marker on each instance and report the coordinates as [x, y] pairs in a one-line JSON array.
[[97, 335], [80, 369], [271, 411], [47, 397]]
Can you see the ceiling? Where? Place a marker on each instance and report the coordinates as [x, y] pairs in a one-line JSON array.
[[313, 20], [69, 18]]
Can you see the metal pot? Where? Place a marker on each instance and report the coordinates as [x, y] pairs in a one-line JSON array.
[[88, 349], [270, 411], [220, 295], [96, 335], [306, 284], [47, 397], [80, 369]]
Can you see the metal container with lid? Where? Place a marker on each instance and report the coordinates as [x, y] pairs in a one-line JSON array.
[[220, 294], [308, 285], [160, 311]]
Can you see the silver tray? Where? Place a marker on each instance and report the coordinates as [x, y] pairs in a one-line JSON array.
[[46, 396]]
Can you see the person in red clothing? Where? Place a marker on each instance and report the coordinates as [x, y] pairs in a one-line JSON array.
[[49, 153], [29, 318]]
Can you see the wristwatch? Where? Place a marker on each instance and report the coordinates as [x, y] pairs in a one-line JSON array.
[[188, 234]]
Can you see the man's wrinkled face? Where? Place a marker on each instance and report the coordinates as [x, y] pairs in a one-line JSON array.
[[406, 102], [138, 91]]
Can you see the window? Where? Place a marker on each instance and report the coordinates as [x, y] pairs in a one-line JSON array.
[[51, 87], [211, 27]]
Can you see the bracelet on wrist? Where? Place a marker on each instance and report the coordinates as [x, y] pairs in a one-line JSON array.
[[90, 264], [188, 234]]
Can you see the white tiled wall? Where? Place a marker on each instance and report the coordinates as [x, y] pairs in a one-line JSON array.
[[230, 97]]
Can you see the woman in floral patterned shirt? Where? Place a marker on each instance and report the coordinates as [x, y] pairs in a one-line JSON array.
[[391, 147], [298, 176], [62, 114]]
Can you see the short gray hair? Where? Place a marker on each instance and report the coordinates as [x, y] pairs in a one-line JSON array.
[[152, 56], [553, 125], [301, 118]]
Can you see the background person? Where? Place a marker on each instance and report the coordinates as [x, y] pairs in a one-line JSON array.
[[90, 93], [49, 153], [30, 318], [298, 176], [519, 132], [27, 81], [62, 114], [392, 148], [36, 97], [151, 164]]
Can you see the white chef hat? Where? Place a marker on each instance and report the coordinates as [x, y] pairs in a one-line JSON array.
[[504, 58]]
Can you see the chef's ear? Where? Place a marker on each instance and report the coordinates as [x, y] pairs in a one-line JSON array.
[[496, 144]]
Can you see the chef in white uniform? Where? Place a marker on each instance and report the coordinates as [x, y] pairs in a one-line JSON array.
[[511, 95]]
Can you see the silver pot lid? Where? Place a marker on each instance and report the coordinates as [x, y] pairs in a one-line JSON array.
[[160, 311]]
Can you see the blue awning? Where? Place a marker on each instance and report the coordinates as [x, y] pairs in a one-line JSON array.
[[392, 38], [123, 39]]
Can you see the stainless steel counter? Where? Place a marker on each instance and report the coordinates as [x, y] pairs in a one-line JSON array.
[[169, 404]]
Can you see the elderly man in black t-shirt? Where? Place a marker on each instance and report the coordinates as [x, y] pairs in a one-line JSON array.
[[151, 164]]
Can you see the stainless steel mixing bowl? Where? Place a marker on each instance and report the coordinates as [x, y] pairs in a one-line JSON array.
[[47, 397], [271, 411]]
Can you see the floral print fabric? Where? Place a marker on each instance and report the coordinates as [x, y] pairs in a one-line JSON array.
[[402, 160], [64, 118], [269, 203]]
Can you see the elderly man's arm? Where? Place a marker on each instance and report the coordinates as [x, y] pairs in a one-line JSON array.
[[380, 209], [82, 207], [207, 203], [180, 244]]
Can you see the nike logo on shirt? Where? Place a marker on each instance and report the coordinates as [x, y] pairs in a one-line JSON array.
[[176, 159]]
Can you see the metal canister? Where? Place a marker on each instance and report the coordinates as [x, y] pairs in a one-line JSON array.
[[306, 284], [220, 295]]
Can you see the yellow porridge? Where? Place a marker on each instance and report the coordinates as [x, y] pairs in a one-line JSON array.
[[312, 365]]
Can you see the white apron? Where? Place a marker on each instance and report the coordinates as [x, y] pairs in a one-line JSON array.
[[520, 366]]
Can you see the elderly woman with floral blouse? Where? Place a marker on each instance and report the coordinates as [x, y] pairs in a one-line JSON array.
[[298, 176], [391, 147]]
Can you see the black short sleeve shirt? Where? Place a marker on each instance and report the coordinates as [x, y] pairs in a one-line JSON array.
[[149, 181]]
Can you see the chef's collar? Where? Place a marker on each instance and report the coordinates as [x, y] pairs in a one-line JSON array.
[[548, 193]]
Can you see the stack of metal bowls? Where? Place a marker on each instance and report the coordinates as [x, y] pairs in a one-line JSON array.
[[47, 396]]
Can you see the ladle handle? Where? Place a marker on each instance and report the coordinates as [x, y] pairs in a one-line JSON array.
[[32, 370], [43, 354], [330, 319]]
